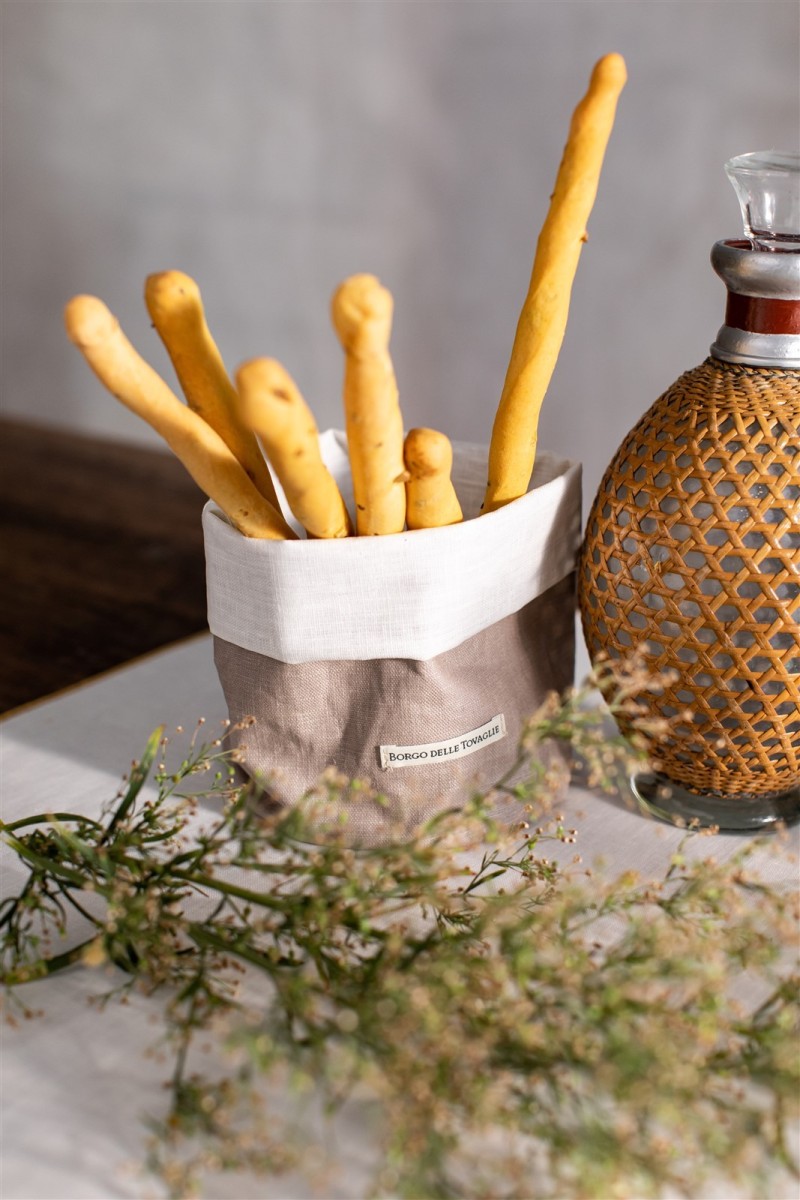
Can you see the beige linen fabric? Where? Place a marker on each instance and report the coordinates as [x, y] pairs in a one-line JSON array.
[[434, 645], [339, 713]]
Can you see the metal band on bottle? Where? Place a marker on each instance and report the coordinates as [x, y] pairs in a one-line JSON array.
[[762, 317]]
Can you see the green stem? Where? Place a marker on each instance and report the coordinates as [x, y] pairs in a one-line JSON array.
[[67, 894], [203, 937], [60, 961], [47, 865], [46, 819], [188, 1029], [139, 774], [229, 889], [50, 965], [784, 1154], [505, 779], [784, 991], [13, 902]]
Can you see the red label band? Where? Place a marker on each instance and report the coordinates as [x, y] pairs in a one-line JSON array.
[[759, 315]]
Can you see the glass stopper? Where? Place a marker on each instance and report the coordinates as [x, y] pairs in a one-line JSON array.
[[767, 185]]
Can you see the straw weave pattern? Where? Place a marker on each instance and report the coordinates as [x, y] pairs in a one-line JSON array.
[[692, 551]]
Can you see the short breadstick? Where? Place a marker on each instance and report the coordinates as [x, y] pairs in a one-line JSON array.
[[543, 320], [362, 317], [273, 408], [176, 309], [430, 496], [97, 334]]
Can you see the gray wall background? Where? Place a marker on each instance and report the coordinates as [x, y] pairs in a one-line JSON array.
[[271, 149]]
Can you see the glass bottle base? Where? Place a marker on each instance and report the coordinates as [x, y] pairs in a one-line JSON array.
[[742, 814]]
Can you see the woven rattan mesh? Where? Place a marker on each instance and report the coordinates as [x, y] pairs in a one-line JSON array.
[[692, 550]]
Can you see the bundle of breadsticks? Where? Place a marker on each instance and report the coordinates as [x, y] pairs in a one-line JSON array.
[[233, 435]]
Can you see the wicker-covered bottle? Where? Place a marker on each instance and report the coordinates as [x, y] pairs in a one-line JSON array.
[[692, 547]]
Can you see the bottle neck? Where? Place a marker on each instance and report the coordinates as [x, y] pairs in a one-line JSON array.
[[762, 315], [757, 314]]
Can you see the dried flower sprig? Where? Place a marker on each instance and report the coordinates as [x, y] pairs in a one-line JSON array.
[[510, 1026]]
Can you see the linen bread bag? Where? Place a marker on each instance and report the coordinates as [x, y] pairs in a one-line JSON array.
[[407, 662], [411, 661]]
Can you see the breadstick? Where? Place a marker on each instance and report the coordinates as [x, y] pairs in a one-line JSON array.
[[273, 408], [362, 316], [176, 309], [431, 499], [544, 314], [97, 334]]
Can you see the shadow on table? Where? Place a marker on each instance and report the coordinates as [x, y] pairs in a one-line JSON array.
[[100, 726]]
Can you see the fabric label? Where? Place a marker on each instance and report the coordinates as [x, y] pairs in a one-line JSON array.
[[492, 730]]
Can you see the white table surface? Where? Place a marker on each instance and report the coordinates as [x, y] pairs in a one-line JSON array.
[[75, 1083]]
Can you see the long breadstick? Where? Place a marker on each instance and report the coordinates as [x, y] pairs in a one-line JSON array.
[[176, 309], [273, 408], [431, 499], [543, 320], [97, 334], [362, 316]]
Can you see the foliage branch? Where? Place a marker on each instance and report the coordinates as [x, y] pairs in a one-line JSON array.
[[507, 1022]]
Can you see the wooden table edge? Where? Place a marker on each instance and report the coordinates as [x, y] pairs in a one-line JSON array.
[[70, 688]]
